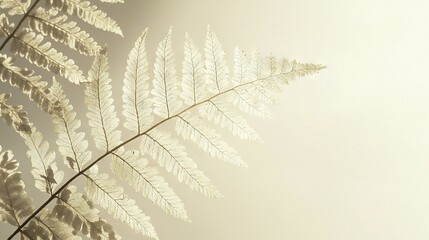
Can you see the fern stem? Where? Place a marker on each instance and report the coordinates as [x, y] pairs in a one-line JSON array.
[[11, 35], [111, 151]]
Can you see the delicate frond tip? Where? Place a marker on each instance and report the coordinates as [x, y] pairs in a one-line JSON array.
[[14, 115], [192, 127], [71, 143], [29, 45], [88, 13], [165, 90], [75, 210], [15, 7], [221, 113], [193, 83], [101, 111], [293, 69], [15, 203], [171, 155], [49, 23], [5, 27], [45, 170], [29, 84], [216, 68], [137, 104], [129, 166], [104, 192]]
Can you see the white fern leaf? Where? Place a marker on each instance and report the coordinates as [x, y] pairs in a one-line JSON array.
[[102, 116], [88, 13], [49, 23], [15, 203], [5, 27], [137, 104], [104, 192], [133, 169], [71, 144], [193, 83], [216, 68], [248, 103], [30, 85], [73, 209], [207, 139], [165, 85], [221, 113], [14, 115], [29, 45], [171, 155], [46, 226], [16, 7], [44, 170], [241, 68]]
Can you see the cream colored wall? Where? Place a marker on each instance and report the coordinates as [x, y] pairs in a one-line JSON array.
[[346, 155]]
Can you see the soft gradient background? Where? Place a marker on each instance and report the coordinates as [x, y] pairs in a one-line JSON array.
[[346, 155]]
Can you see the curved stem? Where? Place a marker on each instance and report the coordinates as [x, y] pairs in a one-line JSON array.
[[82, 172], [19, 25]]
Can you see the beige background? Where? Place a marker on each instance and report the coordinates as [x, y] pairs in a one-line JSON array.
[[346, 155]]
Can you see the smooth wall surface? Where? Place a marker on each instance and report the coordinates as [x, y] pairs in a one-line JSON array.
[[346, 155]]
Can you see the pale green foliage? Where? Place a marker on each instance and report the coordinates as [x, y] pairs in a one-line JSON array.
[[205, 88]]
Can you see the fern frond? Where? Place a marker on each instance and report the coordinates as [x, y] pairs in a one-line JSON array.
[[221, 113], [248, 103], [5, 27], [133, 169], [29, 84], [16, 7], [88, 13], [193, 83], [241, 68], [49, 23], [104, 192], [216, 68], [15, 203], [137, 104], [29, 45], [102, 116], [73, 209], [71, 144], [207, 139], [171, 155], [44, 170], [14, 115], [165, 90]]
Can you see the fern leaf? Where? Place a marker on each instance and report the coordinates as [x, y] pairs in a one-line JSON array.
[[102, 116], [49, 23], [14, 115], [5, 27], [171, 155], [221, 113], [45, 170], [207, 139], [137, 104], [129, 167], [28, 45], [73, 209], [30, 85], [15, 204], [88, 13], [193, 83], [248, 103], [165, 90], [104, 191], [216, 68], [241, 70], [71, 144], [16, 7]]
